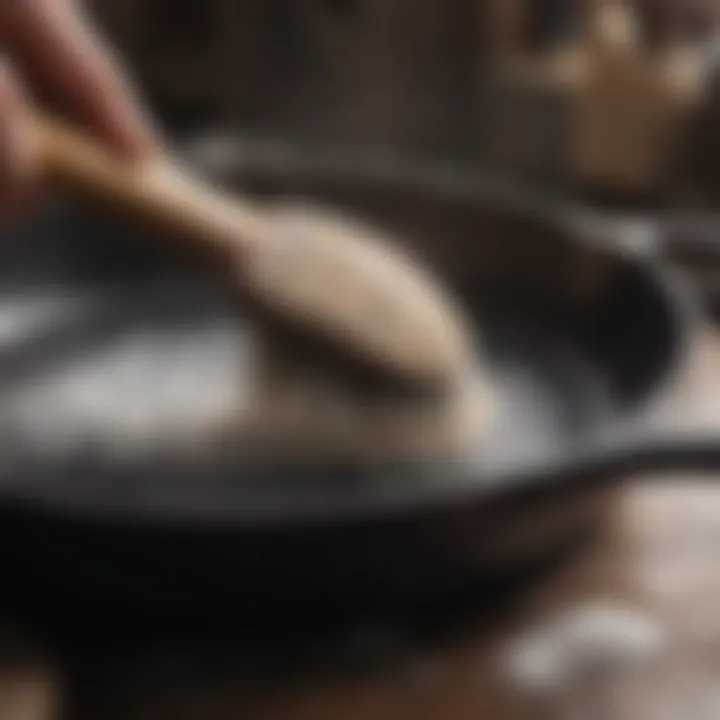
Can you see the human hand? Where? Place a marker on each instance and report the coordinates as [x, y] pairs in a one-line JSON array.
[[51, 47]]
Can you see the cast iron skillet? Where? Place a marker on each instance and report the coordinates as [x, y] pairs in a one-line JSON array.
[[587, 340]]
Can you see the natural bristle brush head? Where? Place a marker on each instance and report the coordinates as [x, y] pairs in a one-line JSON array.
[[303, 413], [302, 408]]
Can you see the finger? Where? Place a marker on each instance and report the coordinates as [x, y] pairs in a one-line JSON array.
[[18, 150], [58, 45]]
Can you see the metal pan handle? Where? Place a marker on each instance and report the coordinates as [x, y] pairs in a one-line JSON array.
[[687, 449], [662, 453]]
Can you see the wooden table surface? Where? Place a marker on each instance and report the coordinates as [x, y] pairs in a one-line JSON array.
[[629, 629]]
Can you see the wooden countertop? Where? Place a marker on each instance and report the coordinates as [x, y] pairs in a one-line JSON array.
[[630, 629]]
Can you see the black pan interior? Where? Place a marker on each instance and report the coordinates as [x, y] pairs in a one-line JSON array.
[[113, 360]]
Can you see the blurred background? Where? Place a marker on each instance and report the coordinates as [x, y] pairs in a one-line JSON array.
[[613, 103]]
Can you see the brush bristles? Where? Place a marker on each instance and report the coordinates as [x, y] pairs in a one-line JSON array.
[[307, 416]]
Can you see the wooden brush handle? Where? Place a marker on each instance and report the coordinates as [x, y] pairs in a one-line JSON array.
[[156, 193], [300, 274]]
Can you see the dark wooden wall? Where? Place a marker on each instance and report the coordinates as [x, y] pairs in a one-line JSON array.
[[400, 72], [423, 76]]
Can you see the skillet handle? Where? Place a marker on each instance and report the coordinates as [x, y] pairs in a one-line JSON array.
[[624, 460], [687, 450]]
